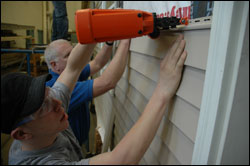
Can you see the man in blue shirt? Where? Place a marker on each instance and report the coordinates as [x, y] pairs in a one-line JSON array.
[[56, 55]]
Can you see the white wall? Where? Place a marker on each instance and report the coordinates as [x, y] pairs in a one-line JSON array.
[[236, 148]]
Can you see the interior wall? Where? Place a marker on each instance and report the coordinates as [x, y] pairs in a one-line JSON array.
[[71, 6], [31, 13], [22, 13]]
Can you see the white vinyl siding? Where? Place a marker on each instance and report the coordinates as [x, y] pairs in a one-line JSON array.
[[175, 138]]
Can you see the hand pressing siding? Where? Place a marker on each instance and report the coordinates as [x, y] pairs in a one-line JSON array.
[[171, 68]]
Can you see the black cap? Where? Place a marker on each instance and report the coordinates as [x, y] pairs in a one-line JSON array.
[[21, 95]]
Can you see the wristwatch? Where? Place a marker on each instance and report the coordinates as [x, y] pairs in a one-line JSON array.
[[110, 44]]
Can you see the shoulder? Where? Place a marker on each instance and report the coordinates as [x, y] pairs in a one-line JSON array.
[[62, 93], [64, 151], [61, 88], [83, 84], [85, 73], [83, 88], [51, 82]]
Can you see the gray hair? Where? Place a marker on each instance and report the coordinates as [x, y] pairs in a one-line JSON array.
[[51, 53]]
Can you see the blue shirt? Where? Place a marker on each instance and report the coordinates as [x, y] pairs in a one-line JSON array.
[[79, 117]]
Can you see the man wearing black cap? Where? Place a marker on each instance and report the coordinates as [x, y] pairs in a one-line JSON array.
[[35, 116]]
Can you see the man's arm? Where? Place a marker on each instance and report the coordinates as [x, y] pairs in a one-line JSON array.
[[114, 71], [78, 58], [132, 147], [101, 59]]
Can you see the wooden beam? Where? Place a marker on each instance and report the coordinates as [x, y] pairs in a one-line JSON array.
[[11, 38], [7, 26]]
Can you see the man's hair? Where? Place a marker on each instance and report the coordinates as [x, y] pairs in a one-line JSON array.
[[51, 53]]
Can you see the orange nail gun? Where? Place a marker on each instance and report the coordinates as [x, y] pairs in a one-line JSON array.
[[100, 25]]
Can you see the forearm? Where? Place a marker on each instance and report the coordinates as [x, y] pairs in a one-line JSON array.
[[135, 143], [101, 59], [78, 58], [117, 66]]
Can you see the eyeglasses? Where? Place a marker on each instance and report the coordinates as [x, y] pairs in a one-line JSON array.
[[48, 103], [46, 107]]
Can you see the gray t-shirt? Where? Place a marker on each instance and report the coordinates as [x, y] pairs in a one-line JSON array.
[[64, 151]]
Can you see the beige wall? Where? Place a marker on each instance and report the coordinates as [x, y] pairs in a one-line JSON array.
[[22, 12], [72, 6], [31, 13]]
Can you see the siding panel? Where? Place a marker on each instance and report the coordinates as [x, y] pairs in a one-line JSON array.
[[197, 46], [175, 133], [123, 116], [191, 86], [175, 138], [182, 114], [177, 142], [157, 47], [134, 115], [123, 123], [161, 151], [135, 96], [120, 129], [150, 157]]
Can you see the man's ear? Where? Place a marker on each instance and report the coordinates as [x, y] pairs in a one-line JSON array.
[[20, 134], [53, 64]]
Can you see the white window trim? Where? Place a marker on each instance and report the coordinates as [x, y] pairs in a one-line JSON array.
[[226, 41]]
